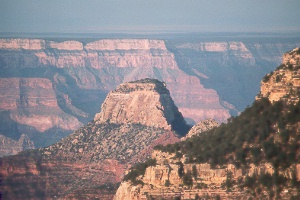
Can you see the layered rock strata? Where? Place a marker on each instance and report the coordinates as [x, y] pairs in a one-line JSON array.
[[164, 180], [284, 82], [179, 175], [234, 68], [146, 101], [33, 102], [104, 64], [98, 153]]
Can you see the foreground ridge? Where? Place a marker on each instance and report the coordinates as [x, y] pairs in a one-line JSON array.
[[256, 155]]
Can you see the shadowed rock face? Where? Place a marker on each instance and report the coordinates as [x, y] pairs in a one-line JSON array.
[[30, 105], [147, 102], [99, 152]]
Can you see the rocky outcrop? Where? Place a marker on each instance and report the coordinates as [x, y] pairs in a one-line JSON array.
[[206, 79], [147, 102], [104, 64], [284, 82], [100, 152], [166, 179], [201, 127], [74, 78], [12, 147], [178, 173]]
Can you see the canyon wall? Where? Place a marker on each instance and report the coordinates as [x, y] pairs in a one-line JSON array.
[[284, 82], [234, 68], [61, 85], [206, 79], [97, 154], [164, 180]]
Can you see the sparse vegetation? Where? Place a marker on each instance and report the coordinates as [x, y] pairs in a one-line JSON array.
[[263, 133], [138, 170], [267, 77], [249, 138]]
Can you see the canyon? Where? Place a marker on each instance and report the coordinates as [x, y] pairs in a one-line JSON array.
[[83, 164], [283, 83], [49, 88], [251, 169]]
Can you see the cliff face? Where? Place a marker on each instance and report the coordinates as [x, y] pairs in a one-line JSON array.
[[98, 153], [234, 68], [104, 64], [29, 99], [206, 79], [283, 83], [147, 102], [166, 179], [30, 105], [65, 82]]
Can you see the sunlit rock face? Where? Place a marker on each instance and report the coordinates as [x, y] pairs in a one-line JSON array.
[[283, 83], [67, 81], [147, 102]]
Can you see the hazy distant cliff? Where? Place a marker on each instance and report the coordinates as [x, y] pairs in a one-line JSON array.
[[206, 79], [78, 76]]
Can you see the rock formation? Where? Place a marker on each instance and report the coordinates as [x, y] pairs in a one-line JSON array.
[[30, 99], [257, 150], [31, 103], [100, 152], [202, 126], [234, 68], [164, 180], [206, 79], [60, 85], [147, 102], [284, 82]]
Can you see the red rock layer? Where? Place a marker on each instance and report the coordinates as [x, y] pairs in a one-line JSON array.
[[33, 102]]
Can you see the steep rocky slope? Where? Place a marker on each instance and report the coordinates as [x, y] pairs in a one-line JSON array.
[[232, 67], [202, 126], [83, 164], [284, 82], [147, 102], [256, 155]]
